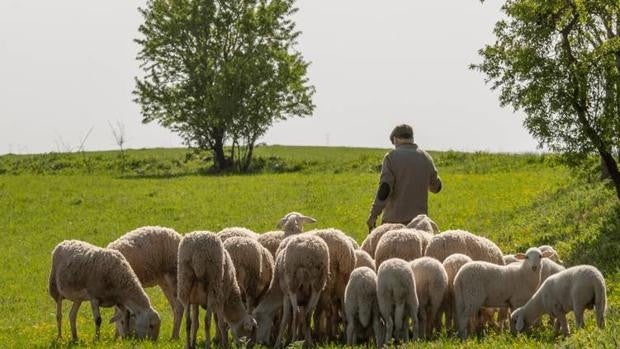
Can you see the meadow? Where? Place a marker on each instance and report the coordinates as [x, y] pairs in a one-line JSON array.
[[517, 200]]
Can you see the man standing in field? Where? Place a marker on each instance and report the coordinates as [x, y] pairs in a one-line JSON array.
[[407, 175]]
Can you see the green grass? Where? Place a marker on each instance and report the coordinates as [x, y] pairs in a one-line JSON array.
[[516, 200]]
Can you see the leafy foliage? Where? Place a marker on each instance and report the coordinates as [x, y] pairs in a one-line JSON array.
[[218, 71], [559, 61]]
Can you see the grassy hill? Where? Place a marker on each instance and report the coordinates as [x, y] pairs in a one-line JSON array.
[[516, 200]]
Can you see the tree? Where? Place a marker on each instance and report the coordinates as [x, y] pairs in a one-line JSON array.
[[221, 72], [559, 62]]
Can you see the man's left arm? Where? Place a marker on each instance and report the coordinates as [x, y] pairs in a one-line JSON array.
[[434, 181]]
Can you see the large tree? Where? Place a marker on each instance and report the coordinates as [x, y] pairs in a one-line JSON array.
[[559, 62], [220, 72]]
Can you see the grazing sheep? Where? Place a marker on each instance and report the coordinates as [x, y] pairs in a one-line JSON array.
[[361, 307], [555, 257], [271, 240], [459, 241], [397, 298], [575, 289], [293, 223], [84, 272], [424, 223], [152, 254], [363, 259], [206, 277], [402, 243], [431, 284], [228, 233], [509, 259], [342, 263], [452, 265], [370, 243], [480, 284], [253, 268], [301, 273]]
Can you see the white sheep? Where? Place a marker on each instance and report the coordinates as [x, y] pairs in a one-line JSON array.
[[363, 259], [424, 223], [152, 254], [431, 282], [253, 267], [476, 247], [206, 277], [483, 284], [84, 272], [361, 307], [230, 232], [328, 314], [397, 298], [510, 258], [405, 244], [301, 272], [573, 289], [370, 243], [271, 240]]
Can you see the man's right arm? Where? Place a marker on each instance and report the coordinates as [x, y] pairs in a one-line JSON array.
[[386, 183], [434, 181]]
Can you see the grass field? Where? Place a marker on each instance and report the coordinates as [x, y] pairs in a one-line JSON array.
[[515, 200]]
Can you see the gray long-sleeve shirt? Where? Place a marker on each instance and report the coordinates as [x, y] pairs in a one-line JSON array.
[[410, 173]]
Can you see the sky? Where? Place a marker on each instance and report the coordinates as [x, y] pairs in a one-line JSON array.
[[67, 71]]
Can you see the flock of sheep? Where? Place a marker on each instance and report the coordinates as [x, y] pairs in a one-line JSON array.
[[280, 286]]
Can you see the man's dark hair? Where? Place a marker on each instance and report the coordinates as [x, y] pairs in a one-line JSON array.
[[401, 131]]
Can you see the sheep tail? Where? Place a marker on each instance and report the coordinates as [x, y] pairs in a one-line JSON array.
[[600, 302]]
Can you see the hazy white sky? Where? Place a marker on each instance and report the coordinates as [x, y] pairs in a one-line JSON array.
[[68, 66]]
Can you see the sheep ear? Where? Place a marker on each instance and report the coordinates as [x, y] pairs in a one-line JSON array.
[[520, 324], [117, 317], [308, 219], [520, 256], [435, 227], [548, 254]]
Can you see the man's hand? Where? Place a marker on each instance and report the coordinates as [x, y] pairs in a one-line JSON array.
[[371, 222]]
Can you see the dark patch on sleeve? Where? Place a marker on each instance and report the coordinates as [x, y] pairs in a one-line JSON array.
[[384, 191]]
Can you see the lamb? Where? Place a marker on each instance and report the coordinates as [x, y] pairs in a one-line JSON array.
[[363, 259], [253, 268], [510, 258], [452, 265], [360, 305], [575, 289], [271, 240], [301, 273], [459, 241], [206, 277], [424, 223], [431, 282], [152, 254], [402, 243], [370, 243], [228, 233], [342, 263], [397, 298], [480, 284], [84, 272]]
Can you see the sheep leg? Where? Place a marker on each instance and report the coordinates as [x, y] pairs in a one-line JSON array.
[[72, 317], [296, 312], [208, 329], [168, 287], [222, 329], [423, 321], [94, 304], [286, 318], [312, 303], [579, 316], [195, 309], [563, 324], [376, 327], [188, 326], [389, 326], [413, 313], [59, 317]]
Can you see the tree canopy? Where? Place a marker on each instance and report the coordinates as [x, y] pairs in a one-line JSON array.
[[220, 72], [559, 62]]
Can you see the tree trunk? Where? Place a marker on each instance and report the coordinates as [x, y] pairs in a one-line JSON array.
[[612, 168], [248, 157], [221, 162]]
